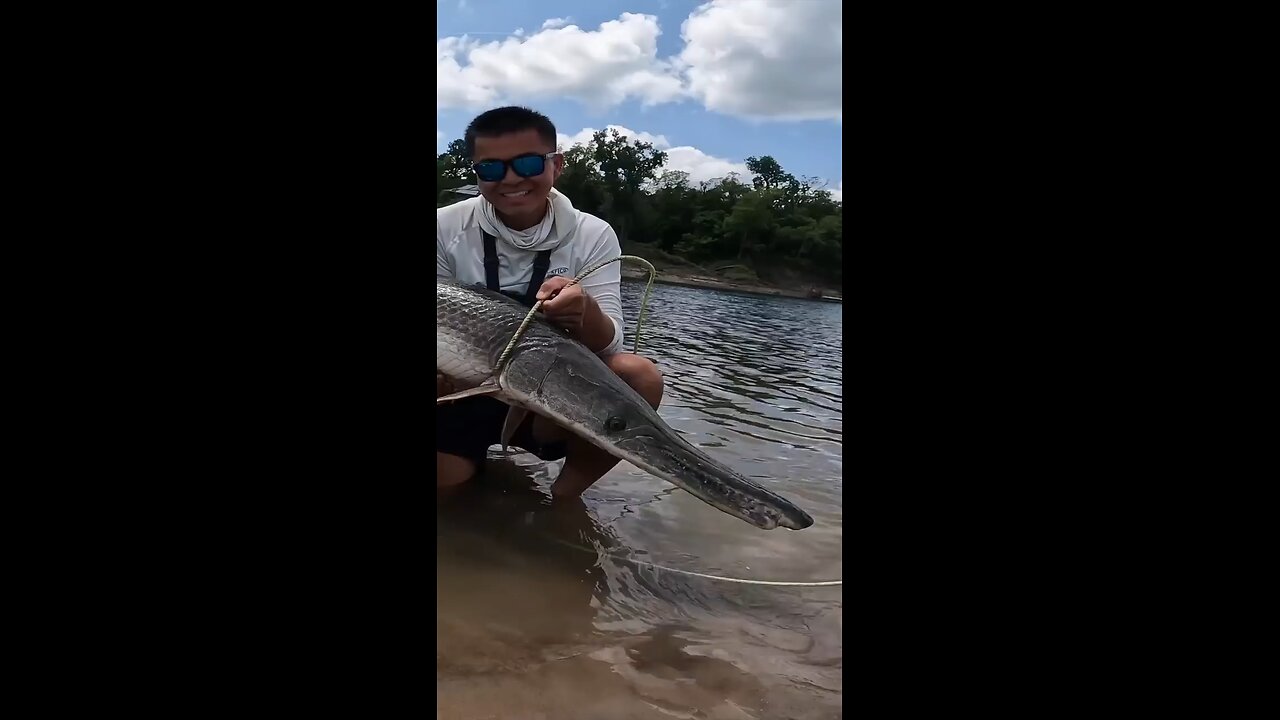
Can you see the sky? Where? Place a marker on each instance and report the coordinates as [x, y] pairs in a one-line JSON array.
[[711, 83]]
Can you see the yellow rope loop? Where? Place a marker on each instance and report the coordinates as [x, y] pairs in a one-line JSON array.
[[653, 272]]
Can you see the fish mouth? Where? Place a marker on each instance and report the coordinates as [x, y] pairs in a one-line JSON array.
[[679, 463]]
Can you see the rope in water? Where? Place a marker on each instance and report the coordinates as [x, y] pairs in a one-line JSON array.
[[722, 578], [644, 303]]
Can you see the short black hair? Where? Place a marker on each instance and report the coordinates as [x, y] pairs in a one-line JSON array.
[[510, 119]]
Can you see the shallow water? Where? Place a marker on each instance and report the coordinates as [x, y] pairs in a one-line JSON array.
[[557, 612]]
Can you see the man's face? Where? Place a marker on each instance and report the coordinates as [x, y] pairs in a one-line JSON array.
[[514, 195]]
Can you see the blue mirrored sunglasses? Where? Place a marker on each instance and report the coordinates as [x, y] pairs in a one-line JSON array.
[[525, 166]]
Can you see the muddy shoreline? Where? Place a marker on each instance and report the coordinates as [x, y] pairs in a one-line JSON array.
[[702, 281]]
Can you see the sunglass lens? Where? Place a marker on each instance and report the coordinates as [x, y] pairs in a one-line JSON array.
[[490, 170], [529, 165]]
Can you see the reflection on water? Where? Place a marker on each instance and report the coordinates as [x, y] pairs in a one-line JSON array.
[[552, 612]]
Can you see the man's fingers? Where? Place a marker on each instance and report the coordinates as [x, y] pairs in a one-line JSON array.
[[555, 303], [551, 287], [563, 297]]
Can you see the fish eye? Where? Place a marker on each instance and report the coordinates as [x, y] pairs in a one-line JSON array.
[[614, 424]]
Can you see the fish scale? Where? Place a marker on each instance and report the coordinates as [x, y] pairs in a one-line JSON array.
[[473, 327]]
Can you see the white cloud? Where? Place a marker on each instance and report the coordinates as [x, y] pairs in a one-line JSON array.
[[584, 136], [767, 59], [698, 164], [452, 87], [600, 68], [762, 59], [702, 166], [837, 193]]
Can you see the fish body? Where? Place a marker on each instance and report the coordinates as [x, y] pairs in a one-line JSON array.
[[555, 376]]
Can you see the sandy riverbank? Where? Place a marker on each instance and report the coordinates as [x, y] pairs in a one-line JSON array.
[[689, 280]]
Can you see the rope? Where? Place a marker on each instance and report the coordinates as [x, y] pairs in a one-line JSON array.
[[506, 353], [743, 581]]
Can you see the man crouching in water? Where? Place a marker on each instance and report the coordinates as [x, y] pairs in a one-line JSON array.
[[525, 239]]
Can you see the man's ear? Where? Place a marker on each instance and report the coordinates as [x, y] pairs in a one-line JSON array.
[[557, 163]]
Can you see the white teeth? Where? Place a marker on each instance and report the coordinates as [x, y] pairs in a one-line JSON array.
[[522, 193]]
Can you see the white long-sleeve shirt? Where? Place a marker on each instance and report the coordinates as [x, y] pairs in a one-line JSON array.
[[460, 257]]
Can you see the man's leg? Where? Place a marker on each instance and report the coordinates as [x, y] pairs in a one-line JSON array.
[[585, 463], [452, 472], [464, 431]]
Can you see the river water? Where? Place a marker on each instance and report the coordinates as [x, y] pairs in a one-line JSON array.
[[558, 612]]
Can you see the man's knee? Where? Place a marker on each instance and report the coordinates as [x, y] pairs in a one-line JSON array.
[[640, 373], [452, 470]]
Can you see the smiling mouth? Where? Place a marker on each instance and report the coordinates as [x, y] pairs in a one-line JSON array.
[[522, 193]]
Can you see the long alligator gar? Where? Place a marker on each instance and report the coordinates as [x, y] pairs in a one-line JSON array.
[[557, 377]]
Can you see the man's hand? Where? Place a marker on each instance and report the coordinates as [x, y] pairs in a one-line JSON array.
[[574, 310], [565, 306]]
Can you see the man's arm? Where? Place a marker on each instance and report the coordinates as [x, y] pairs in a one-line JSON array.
[[604, 287], [444, 269], [598, 330], [577, 312]]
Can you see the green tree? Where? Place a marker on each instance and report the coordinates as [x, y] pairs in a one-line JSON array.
[[627, 167], [752, 224], [769, 175], [453, 170], [779, 226], [456, 163], [674, 205]]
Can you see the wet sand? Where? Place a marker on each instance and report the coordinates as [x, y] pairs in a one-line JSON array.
[[530, 626]]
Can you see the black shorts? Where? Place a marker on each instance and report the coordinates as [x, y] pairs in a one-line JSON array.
[[468, 427]]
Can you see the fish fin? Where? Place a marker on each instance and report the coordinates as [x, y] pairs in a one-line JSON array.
[[485, 389], [515, 416]]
